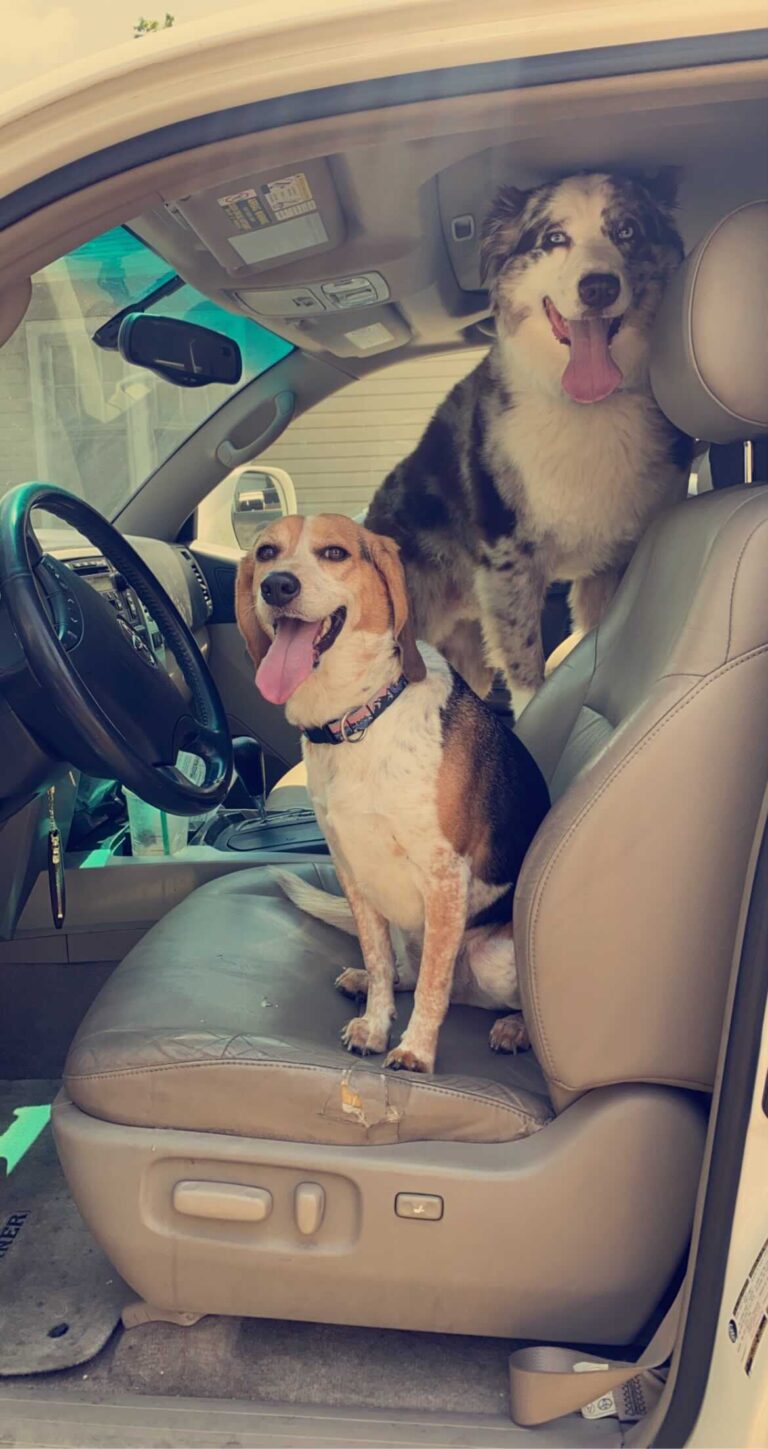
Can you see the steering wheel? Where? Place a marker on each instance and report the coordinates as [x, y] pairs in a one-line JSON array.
[[105, 697]]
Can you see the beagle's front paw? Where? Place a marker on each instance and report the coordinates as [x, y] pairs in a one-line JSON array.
[[402, 1059], [363, 1035], [352, 982], [509, 1034]]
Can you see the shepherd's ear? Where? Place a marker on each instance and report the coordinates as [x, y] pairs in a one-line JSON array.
[[385, 556], [501, 230], [256, 639], [663, 186]]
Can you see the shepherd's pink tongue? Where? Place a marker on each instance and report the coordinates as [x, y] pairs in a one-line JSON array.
[[288, 661], [591, 374]]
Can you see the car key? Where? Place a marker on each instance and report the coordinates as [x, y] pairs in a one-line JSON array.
[[56, 881]]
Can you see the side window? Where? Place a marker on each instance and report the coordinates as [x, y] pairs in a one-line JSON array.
[[333, 458]]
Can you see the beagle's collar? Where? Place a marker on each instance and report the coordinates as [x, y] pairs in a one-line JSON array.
[[352, 725]]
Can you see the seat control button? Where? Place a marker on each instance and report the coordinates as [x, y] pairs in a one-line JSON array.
[[419, 1205], [228, 1201], [309, 1207]]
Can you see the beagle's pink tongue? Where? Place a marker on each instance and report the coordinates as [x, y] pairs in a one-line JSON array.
[[289, 660], [591, 374]]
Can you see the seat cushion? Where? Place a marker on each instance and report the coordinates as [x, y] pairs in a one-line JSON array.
[[225, 1019], [290, 792]]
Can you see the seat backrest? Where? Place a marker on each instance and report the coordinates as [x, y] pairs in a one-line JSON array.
[[653, 735]]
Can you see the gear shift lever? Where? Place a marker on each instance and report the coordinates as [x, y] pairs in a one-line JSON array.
[[251, 779]]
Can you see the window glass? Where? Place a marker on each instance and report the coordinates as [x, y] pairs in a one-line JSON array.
[[338, 452], [74, 414]]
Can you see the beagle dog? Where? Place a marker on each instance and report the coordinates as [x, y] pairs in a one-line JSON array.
[[427, 801]]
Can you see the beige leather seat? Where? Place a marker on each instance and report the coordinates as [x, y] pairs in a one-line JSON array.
[[231, 1157]]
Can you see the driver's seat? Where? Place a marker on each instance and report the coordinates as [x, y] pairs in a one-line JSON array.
[[232, 1158]]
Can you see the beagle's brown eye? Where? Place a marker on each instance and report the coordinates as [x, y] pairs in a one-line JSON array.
[[265, 552], [334, 553]]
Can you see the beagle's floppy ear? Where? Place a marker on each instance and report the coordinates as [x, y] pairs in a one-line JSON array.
[[256, 639], [385, 557]]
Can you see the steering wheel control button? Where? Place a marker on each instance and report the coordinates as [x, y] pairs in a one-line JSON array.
[[309, 1207], [421, 1206], [229, 1202], [136, 642]]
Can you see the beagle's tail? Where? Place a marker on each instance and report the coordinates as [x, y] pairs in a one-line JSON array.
[[334, 910]]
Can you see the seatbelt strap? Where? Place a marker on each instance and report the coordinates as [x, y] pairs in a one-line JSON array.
[[547, 1382]]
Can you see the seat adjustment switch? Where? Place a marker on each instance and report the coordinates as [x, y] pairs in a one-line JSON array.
[[228, 1201], [309, 1207], [423, 1205]]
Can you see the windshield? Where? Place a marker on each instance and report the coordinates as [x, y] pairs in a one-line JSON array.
[[75, 414]]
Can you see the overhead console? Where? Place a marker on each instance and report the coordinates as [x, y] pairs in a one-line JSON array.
[[465, 191], [267, 218], [283, 225], [347, 254]]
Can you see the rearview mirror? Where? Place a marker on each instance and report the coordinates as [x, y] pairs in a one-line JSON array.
[[260, 496], [182, 352]]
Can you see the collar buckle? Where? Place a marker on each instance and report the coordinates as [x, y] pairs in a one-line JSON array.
[[342, 731], [352, 734]]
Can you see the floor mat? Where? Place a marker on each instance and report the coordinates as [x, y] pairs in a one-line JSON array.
[[60, 1298], [270, 1362]]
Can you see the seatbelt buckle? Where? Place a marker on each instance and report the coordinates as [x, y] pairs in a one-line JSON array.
[[629, 1402]]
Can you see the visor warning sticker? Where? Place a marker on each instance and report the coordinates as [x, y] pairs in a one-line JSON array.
[[244, 210], [289, 197], [748, 1324], [272, 203]]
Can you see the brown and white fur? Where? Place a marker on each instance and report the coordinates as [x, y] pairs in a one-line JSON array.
[[428, 815], [535, 469]]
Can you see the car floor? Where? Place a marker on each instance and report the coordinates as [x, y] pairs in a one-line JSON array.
[[272, 1362]]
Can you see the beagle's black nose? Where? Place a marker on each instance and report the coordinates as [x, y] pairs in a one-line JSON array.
[[279, 588], [599, 289]]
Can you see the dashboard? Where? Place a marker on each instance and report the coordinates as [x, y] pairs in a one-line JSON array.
[[174, 566]]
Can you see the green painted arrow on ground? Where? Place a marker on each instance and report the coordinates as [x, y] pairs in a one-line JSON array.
[[19, 1137]]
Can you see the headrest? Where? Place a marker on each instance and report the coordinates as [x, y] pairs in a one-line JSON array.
[[709, 357]]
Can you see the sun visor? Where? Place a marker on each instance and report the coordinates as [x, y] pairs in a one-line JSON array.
[[267, 219]]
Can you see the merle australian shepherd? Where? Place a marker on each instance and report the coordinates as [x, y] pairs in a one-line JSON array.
[[550, 459]]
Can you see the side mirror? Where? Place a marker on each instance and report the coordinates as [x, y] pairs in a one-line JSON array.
[[260, 496], [182, 352]]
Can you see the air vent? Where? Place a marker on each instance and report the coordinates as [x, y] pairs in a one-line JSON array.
[[201, 579]]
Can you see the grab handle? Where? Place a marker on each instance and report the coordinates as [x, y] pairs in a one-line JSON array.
[[232, 457]]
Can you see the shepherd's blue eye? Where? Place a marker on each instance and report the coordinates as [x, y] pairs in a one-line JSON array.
[[555, 238], [626, 231]]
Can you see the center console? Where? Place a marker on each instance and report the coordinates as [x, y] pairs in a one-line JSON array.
[[294, 831], [245, 824]]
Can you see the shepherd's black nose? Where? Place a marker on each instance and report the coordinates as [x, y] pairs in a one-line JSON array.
[[279, 588], [599, 289]]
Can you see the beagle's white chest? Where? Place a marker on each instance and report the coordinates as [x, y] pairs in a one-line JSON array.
[[376, 802]]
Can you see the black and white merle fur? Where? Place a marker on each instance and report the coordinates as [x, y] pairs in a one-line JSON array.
[[514, 484]]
